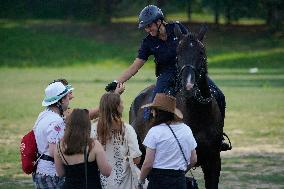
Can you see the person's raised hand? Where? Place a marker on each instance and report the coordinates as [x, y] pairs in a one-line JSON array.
[[111, 86], [120, 88]]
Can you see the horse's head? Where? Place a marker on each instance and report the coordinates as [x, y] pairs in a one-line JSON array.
[[191, 59]]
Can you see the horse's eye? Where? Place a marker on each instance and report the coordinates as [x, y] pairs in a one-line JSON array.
[[191, 44]]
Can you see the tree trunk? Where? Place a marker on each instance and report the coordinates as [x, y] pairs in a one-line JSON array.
[[188, 11], [104, 11], [216, 12], [71, 9], [30, 8], [275, 14], [228, 14]]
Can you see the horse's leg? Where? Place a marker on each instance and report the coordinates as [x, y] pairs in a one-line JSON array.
[[211, 169]]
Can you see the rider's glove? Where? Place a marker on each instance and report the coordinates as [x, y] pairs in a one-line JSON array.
[[111, 86]]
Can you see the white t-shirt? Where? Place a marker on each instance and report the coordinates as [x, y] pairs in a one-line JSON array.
[[168, 154], [49, 128]]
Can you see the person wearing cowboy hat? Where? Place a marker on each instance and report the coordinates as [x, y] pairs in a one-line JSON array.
[[170, 146], [48, 129]]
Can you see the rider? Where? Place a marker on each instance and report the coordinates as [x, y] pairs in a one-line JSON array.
[[160, 42]]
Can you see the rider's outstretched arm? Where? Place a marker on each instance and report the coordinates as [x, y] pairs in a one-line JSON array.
[[131, 70]]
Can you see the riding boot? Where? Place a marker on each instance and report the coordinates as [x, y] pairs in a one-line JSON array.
[[225, 146]]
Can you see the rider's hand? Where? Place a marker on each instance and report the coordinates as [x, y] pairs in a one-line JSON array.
[[120, 88], [111, 86]]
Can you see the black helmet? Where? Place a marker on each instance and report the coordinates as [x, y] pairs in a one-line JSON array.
[[148, 15]]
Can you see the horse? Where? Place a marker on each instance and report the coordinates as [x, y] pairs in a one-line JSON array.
[[199, 107]]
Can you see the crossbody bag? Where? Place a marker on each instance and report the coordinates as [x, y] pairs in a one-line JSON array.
[[191, 182]]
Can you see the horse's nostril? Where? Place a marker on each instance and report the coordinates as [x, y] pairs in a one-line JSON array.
[[189, 86]]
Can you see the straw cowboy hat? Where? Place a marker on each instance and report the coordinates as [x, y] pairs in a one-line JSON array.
[[54, 92], [166, 103]]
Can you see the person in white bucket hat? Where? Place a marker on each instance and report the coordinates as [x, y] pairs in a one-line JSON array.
[[54, 92], [49, 128]]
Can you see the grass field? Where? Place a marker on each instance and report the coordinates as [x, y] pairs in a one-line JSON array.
[[34, 53]]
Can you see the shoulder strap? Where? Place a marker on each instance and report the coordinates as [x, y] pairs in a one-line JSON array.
[[178, 144], [179, 147], [60, 152], [86, 166]]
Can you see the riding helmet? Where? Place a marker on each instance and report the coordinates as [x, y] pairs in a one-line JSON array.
[[148, 15]]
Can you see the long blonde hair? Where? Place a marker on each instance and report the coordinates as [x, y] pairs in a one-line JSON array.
[[109, 122]]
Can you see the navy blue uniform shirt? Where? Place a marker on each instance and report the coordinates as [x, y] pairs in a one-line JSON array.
[[163, 51]]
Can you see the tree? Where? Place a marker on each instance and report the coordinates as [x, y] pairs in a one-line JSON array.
[[215, 6], [216, 12], [188, 9], [104, 11], [275, 13]]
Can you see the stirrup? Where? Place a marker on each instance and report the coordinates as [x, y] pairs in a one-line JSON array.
[[225, 146]]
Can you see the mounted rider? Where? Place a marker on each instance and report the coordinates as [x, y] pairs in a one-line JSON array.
[[161, 42]]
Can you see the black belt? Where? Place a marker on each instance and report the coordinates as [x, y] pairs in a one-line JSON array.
[[46, 157], [171, 172]]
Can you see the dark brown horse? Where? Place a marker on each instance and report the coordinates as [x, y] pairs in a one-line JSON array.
[[199, 107]]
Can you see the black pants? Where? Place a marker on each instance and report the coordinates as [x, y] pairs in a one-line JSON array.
[[166, 178]]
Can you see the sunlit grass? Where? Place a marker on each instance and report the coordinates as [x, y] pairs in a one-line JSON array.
[[231, 56]]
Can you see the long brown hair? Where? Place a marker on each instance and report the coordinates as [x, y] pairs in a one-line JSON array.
[[109, 121], [77, 132]]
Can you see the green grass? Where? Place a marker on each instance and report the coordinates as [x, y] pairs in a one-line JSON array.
[[33, 53]]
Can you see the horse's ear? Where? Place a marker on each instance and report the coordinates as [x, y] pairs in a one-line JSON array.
[[202, 32], [177, 31]]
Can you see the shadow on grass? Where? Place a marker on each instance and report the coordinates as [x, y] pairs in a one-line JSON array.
[[21, 183], [254, 170], [22, 47]]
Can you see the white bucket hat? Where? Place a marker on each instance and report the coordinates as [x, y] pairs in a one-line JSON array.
[[54, 92]]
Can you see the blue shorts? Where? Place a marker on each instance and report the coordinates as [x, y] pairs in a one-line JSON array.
[[47, 181]]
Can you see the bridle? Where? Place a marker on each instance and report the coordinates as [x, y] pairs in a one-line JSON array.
[[196, 91]]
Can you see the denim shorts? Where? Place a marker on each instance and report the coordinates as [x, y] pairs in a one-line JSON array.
[[47, 181]]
